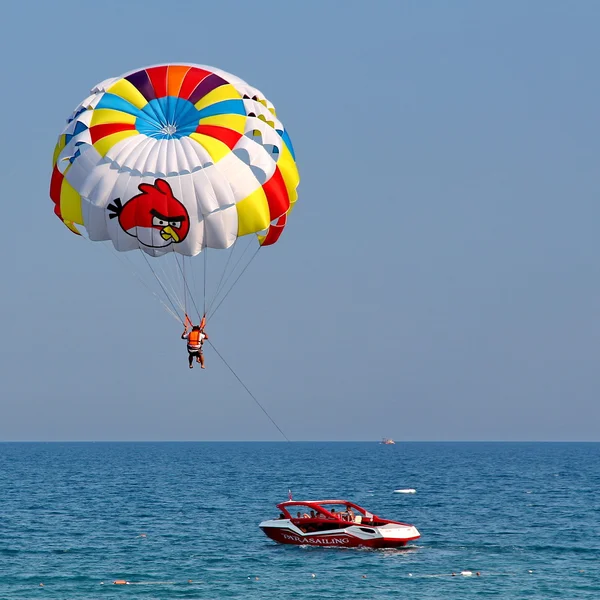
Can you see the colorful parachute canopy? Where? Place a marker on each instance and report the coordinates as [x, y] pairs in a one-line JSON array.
[[174, 158]]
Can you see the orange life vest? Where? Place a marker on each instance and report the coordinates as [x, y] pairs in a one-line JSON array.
[[194, 337]]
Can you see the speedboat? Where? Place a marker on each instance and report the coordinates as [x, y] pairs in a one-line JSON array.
[[335, 523]]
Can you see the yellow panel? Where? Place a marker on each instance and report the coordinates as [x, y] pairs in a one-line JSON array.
[[108, 115], [253, 213], [214, 147], [263, 118], [106, 143], [70, 203], [129, 92], [58, 148], [71, 227], [235, 122], [289, 171], [224, 92]]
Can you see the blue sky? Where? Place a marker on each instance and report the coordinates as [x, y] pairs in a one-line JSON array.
[[438, 280]]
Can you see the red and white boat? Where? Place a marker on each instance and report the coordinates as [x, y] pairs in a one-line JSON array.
[[335, 523]]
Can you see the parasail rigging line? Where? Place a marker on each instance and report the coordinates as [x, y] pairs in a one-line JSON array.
[[205, 268], [161, 285], [218, 290], [249, 392], [228, 275], [186, 287], [213, 311], [132, 270]]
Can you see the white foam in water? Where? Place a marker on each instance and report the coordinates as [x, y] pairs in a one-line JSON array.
[[406, 491]]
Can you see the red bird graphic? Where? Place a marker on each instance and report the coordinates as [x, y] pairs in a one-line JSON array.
[[155, 217]]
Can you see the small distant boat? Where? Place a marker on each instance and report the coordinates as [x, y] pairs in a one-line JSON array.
[[406, 491], [335, 523], [388, 441]]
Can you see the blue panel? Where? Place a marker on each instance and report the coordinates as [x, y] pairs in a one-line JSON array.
[[286, 138], [79, 127], [168, 117], [226, 107], [117, 103]]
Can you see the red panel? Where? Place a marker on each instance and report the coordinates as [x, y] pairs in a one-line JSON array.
[[158, 77], [191, 80], [55, 185], [99, 131], [275, 231], [223, 134], [277, 195]]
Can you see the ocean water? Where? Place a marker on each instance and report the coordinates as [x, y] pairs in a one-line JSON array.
[[179, 520]]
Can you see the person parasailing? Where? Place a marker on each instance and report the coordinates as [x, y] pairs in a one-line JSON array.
[[195, 340]]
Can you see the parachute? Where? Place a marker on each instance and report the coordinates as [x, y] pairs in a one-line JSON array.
[[173, 160]]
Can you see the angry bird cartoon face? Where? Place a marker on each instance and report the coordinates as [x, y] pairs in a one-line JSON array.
[[155, 217]]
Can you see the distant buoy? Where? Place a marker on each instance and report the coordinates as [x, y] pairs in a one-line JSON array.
[[313, 575], [364, 576], [41, 585]]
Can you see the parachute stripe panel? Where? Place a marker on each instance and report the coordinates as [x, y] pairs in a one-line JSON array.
[[104, 144], [191, 82], [158, 77], [225, 107], [277, 196], [228, 136], [275, 230], [141, 80], [223, 92], [70, 203], [207, 85], [126, 90], [234, 122], [97, 132], [175, 76], [216, 148], [253, 213], [101, 116]]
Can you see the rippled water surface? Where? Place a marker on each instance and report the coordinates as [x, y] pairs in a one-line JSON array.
[[179, 520]]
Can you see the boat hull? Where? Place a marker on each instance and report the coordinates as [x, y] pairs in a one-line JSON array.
[[351, 537]]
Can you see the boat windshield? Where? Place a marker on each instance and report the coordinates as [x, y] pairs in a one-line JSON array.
[[337, 510]]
